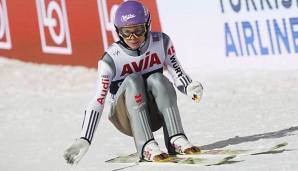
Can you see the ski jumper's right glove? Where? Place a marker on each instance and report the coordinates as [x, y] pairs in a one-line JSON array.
[[76, 151], [195, 91]]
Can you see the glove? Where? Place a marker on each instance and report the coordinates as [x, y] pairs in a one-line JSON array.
[[195, 91], [76, 151]]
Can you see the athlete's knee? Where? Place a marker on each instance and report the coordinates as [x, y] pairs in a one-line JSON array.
[[134, 81], [158, 82]]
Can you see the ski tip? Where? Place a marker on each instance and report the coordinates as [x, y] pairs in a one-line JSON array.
[[283, 144], [280, 145], [230, 157]]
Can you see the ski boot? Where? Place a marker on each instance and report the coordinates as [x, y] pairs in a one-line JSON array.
[[152, 153], [181, 145]]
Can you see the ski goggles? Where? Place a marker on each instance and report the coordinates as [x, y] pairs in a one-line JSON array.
[[135, 30]]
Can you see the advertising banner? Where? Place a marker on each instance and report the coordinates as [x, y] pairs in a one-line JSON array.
[[209, 35], [60, 31], [228, 34]]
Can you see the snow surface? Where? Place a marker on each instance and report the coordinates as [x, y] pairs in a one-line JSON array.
[[41, 111]]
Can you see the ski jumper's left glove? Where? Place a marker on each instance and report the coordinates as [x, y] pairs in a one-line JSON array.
[[76, 151], [195, 91]]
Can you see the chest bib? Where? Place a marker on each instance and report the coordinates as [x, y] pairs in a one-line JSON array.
[[149, 62]]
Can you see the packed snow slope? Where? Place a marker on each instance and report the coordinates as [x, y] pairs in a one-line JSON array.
[[41, 111]]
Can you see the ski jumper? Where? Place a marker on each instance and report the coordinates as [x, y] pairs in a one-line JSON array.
[[142, 98]]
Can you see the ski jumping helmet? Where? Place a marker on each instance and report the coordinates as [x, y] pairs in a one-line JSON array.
[[132, 13]]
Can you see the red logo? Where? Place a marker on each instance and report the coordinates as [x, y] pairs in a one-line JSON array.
[[171, 51], [148, 62], [138, 98], [5, 41], [147, 154], [53, 26], [104, 92]]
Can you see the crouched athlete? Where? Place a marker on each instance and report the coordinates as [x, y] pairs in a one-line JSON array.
[[143, 99]]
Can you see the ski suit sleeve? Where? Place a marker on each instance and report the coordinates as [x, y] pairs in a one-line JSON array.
[[95, 107], [180, 78]]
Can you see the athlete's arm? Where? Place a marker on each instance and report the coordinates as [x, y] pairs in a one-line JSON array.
[[79, 148], [95, 107], [182, 81], [180, 78]]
